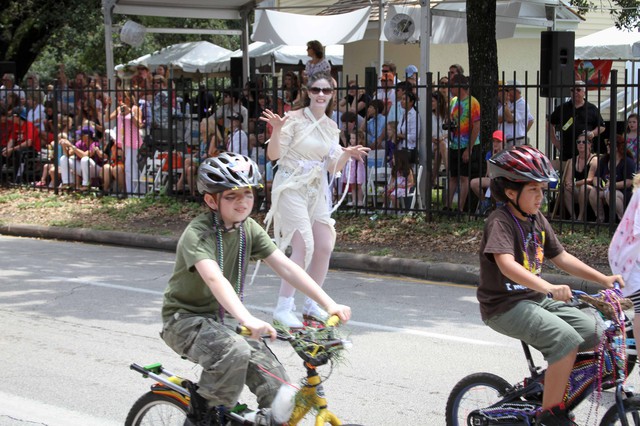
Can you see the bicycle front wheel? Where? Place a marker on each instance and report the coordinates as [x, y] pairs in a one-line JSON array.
[[155, 409], [631, 413], [479, 390]]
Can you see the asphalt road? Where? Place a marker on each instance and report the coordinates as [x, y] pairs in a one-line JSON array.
[[73, 317]]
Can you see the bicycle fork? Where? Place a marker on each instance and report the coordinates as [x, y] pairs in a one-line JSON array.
[[312, 396]]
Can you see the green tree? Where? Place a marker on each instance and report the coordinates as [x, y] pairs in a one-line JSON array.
[[39, 34]]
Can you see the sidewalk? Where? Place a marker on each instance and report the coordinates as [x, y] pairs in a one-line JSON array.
[[441, 271]]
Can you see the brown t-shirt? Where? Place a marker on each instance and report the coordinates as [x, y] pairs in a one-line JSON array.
[[496, 293]]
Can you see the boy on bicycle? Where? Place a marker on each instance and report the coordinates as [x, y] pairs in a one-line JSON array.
[[514, 299], [208, 281]]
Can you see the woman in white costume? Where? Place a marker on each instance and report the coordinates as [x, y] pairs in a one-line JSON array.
[[306, 144]]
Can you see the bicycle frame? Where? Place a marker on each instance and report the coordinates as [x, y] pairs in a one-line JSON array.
[[314, 346], [606, 367]]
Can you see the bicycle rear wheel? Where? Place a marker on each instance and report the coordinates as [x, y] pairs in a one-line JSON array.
[[479, 390], [631, 413], [153, 409]]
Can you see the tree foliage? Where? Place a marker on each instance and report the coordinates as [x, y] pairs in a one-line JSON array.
[[39, 34]]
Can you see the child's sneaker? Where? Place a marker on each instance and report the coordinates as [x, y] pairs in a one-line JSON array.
[[262, 417], [555, 416]]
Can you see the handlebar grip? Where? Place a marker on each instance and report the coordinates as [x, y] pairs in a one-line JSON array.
[[333, 321], [243, 331]]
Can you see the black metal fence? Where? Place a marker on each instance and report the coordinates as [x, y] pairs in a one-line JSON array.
[[149, 137]]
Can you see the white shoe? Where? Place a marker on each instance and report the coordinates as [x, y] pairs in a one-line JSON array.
[[284, 313], [311, 310]]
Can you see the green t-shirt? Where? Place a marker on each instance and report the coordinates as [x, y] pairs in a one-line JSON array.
[[187, 291]]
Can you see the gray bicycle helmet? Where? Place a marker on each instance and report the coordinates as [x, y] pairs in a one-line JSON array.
[[523, 164], [227, 171]]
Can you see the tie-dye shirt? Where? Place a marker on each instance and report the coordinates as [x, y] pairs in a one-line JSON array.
[[465, 113]]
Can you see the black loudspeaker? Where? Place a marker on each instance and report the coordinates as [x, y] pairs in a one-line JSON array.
[[370, 80], [7, 67], [556, 63], [235, 69]]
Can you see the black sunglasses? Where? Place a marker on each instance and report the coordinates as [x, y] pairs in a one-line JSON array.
[[324, 90]]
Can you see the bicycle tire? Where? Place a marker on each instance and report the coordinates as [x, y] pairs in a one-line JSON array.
[[632, 359], [478, 390], [631, 411], [155, 409]]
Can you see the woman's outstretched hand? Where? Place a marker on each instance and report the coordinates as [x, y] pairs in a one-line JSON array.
[[273, 119], [358, 152]]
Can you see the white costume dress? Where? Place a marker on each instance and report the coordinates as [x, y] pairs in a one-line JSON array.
[[300, 196]]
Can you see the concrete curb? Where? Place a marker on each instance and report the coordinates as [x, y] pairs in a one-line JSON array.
[[441, 271]]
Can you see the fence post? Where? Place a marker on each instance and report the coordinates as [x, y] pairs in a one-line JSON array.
[[613, 117]]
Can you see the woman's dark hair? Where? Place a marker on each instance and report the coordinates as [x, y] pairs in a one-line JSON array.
[[401, 163], [317, 48], [348, 116], [499, 186]]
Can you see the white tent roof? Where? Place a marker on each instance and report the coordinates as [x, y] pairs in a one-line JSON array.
[[610, 43], [265, 53], [189, 57]]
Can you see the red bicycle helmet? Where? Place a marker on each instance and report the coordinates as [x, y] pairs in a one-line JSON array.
[[228, 171], [523, 164]]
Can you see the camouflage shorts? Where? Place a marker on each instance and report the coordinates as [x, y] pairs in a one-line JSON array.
[[228, 359]]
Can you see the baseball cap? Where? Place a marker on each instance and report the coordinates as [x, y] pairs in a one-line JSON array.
[[498, 134], [387, 76], [410, 70], [236, 117]]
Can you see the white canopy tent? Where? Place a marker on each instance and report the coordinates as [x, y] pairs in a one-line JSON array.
[[270, 54], [610, 43], [616, 45], [191, 57]]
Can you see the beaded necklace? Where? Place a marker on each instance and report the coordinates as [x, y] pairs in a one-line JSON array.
[[534, 238], [242, 252]]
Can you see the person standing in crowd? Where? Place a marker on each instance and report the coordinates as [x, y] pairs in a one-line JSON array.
[[618, 180], [318, 62], [439, 136], [579, 175], [128, 118], [411, 75], [231, 106], [355, 101], [631, 135], [387, 93], [515, 114], [464, 140], [408, 133], [9, 86], [479, 185], [306, 144], [238, 141], [571, 119], [455, 69], [395, 114]]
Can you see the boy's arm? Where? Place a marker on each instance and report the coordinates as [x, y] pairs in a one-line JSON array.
[[225, 295], [518, 274], [297, 277], [574, 266]]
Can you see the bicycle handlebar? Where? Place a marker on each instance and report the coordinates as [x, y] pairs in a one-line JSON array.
[[315, 346]]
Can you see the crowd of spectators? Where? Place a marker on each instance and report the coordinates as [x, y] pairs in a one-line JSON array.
[[82, 132]]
